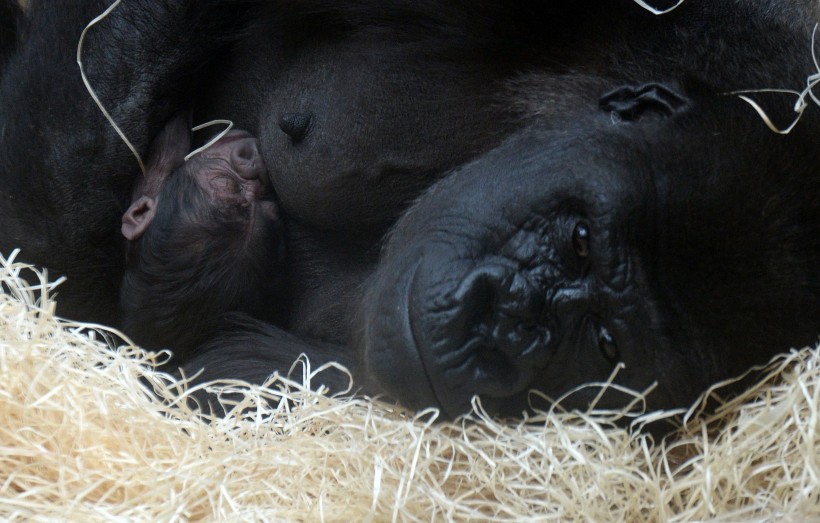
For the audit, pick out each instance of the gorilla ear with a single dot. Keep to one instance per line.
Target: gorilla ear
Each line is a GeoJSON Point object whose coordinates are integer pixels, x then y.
{"type": "Point", "coordinates": [631, 102]}
{"type": "Point", "coordinates": [138, 217]}
{"type": "Point", "coordinates": [167, 152]}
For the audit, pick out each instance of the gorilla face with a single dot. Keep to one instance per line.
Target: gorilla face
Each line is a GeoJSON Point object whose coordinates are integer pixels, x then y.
{"type": "Point", "coordinates": [552, 259]}
{"type": "Point", "coordinates": [508, 276]}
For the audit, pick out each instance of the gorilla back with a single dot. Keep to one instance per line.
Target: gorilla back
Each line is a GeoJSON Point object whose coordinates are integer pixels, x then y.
{"type": "Point", "coordinates": [576, 188]}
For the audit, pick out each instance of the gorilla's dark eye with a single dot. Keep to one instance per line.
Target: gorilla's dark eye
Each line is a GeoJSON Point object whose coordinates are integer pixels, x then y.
{"type": "Point", "coordinates": [606, 344]}
{"type": "Point", "coordinates": [580, 239]}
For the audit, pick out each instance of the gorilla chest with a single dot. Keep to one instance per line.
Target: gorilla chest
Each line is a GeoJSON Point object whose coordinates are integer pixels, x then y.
{"type": "Point", "coordinates": [352, 130]}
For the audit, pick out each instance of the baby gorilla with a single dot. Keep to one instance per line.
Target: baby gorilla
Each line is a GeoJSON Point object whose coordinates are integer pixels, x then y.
{"type": "Point", "coordinates": [204, 238]}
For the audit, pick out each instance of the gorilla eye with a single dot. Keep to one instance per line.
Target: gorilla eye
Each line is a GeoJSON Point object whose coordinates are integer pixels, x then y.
{"type": "Point", "coordinates": [606, 344]}
{"type": "Point", "coordinates": [580, 239]}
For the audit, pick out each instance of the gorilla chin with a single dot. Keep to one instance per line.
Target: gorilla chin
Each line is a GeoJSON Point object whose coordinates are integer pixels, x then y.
{"type": "Point", "coordinates": [550, 273]}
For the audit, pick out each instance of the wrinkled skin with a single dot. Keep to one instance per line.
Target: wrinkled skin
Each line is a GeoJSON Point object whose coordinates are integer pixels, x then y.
{"type": "Point", "coordinates": [231, 170]}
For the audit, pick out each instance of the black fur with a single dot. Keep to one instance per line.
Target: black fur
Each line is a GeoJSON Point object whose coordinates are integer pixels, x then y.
{"type": "Point", "coordinates": [466, 215]}
{"type": "Point", "coordinates": [702, 258]}
{"type": "Point", "coordinates": [10, 14]}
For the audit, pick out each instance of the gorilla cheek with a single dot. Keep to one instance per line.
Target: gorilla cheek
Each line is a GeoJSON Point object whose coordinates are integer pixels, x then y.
{"type": "Point", "coordinates": [390, 350]}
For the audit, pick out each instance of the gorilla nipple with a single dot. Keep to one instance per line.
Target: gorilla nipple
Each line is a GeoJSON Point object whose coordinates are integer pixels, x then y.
{"type": "Point", "coordinates": [296, 125]}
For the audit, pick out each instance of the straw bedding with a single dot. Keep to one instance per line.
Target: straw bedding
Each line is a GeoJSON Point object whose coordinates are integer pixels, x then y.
{"type": "Point", "coordinates": [91, 433]}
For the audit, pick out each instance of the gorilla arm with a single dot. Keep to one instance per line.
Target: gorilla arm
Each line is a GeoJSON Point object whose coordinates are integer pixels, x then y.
{"type": "Point", "coordinates": [252, 350]}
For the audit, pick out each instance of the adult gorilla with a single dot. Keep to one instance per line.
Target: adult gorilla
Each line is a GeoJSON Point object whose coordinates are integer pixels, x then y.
{"type": "Point", "coordinates": [566, 185]}
{"type": "Point", "coordinates": [597, 194]}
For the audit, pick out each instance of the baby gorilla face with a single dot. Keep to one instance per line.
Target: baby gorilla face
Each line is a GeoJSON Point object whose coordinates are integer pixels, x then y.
{"type": "Point", "coordinates": [232, 173]}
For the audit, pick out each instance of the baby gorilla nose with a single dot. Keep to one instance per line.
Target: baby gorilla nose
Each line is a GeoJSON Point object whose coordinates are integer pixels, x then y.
{"type": "Point", "coordinates": [232, 170]}
{"type": "Point", "coordinates": [240, 149]}
{"type": "Point", "coordinates": [246, 159]}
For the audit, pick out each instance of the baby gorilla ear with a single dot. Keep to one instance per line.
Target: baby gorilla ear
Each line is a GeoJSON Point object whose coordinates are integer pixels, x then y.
{"type": "Point", "coordinates": [138, 217]}
{"type": "Point", "coordinates": [167, 152]}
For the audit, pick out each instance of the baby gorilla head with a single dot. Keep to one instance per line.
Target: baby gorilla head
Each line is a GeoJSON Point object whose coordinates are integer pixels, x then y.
{"type": "Point", "coordinates": [204, 238]}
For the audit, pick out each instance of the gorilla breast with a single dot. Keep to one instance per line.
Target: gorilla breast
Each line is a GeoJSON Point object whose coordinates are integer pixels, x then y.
{"type": "Point", "coordinates": [355, 125]}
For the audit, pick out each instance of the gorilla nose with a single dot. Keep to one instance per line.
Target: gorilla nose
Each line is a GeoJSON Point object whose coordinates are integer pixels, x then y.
{"type": "Point", "coordinates": [505, 344]}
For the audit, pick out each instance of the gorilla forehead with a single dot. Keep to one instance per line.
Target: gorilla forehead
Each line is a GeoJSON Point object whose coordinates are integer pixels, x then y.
{"type": "Point", "coordinates": [542, 172]}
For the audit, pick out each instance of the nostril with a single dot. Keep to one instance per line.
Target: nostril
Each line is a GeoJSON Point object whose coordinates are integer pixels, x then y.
{"type": "Point", "coordinates": [503, 288]}
{"type": "Point", "coordinates": [245, 150]}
